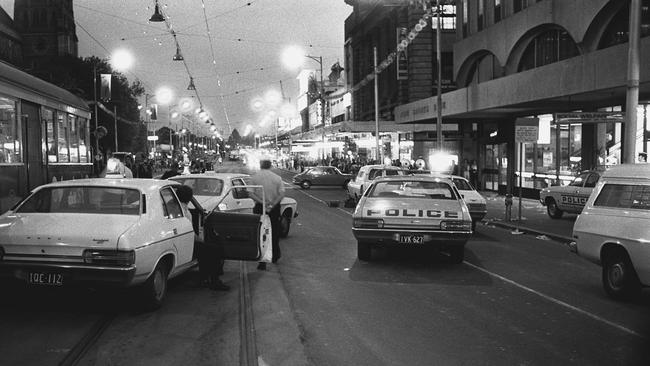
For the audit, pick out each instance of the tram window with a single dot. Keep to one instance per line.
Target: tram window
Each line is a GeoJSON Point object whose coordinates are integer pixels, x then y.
{"type": "Point", "coordinates": [62, 137]}
{"type": "Point", "coordinates": [48, 119]}
{"type": "Point", "coordinates": [9, 132]}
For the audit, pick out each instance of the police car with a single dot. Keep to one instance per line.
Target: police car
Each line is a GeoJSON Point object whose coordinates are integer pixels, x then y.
{"type": "Point", "coordinates": [412, 211]}
{"type": "Point", "coordinates": [570, 198]}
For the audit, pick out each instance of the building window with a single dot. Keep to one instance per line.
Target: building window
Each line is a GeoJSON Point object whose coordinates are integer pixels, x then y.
{"type": "Point", "coordinates": [481, 14]}
{"type": "Point", "coordinates": [497, 10]}
{"type": "Point", "coordinates": [485, 69]}
{"type": "Point", "coordinates": [10, 132]}
{"type": "Point", "coordinates": [549, 47]}
{"type": "Point", "coordinates": [617, 31]}
{"type": "Point", "coordinates": [518, 5]}
{"type": "Point", "coordinates": [465, 19]}
{"type": "Point", "coordinates": [448, 19]}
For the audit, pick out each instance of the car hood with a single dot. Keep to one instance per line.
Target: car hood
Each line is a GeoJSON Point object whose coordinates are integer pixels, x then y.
{"type": "Point", "coordinates": [62, 233]}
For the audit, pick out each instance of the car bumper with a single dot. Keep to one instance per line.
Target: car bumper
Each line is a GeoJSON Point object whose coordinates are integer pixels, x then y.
{"type": "Point", "coordinates": [391, 236]}
{"type": "Point", "coordinates": [71, 273]}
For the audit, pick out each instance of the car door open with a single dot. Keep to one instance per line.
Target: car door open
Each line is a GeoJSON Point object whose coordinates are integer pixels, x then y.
{"type": "Point", "coordinates": [243, 236]}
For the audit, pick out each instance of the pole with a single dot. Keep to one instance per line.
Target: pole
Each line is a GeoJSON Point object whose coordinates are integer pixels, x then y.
{"type": "Point", "coordinates": [439, 86]}
{"type": "Point", "coordinates": [277, 151]}
{"type": "Point", "coordinates": [632, 95]}
{"type": "Point", "coordinates": [521, 176]}
{"type": "Point", "coordinates": [322, 103]}
{"type": "Point", "coordinates": [96, 122]}
{"type": "Point", "coordinates": [115, 120]}
{"type": "Point", "coordinates": [374, 50]}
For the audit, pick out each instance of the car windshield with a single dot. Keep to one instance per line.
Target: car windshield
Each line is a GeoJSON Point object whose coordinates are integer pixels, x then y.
{"type": "Point", "coordinates": [83, 199]}
{"type": "Point", "coordinates": [413, 189]}
{"type": "Point", "coordinates": [462, 184]}
{"type": "Point", "coordinates": [203, 186]}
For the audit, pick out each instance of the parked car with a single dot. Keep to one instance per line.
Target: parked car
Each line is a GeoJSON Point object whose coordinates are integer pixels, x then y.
{"type": "Point", "coordinates": [614, 227]}
{"type": "Point", "coordinates": [476, 203]}
{"type": "Point", "coordinates": [407, 211]}
{"type": "Point", "coordinates": [322, 176]}
{"type": "Point", "coordinates": [210, 188]}
{"type": "Point", "coordinates": [570, 198]}
{"type": "Point", "coordinates": [367, 174]}
{"type": "Point", "coordinates": [111, 232]}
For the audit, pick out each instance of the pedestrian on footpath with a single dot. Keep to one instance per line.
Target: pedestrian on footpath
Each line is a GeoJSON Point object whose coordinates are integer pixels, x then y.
{"type": "Point", "coordinates": [210, 255]}
{"type": "Point", "coordinates": [273, 193]}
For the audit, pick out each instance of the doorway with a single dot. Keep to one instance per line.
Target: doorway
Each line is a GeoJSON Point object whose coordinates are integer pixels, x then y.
{"type": "Point", "coordinates": [494, 172]}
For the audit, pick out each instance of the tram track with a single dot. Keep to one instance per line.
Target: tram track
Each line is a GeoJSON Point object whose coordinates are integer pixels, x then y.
{"type": "Point", "coordinates": [88, 340]}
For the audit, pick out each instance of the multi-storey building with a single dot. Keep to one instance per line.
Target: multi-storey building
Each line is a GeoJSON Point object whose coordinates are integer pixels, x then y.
{"type": "Point", "coordinates": [527, 58]}
{"type": "Point", "coordinates": [48, 31]}
{"type": "Point", "coordinates": [11, 42]}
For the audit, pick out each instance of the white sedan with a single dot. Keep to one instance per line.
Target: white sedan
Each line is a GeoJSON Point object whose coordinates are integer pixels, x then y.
{"type": "Point", "coordinates": [213, 191]}
{"type": "Point", "coordinates": [366, 175]}
{"type": "Point", "coordinates": [412, 211]}
{"type": "Point", "coordinates": [115, 232]}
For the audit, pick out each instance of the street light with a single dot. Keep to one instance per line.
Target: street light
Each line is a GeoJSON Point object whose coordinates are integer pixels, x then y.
{"type": "Point", "coordinates": [292, 57]}
{"type": "Point", "coordinates": [121, 60]}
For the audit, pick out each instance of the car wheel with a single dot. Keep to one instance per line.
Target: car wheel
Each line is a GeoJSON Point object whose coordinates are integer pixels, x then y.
{"type": "Point", "coordinates": [155, 288]}
{"type": "Point", "coordinates": [364, 251]}
{"type": "Point", "coordinates": [619, 278]}
{"type": "Point", "coordinates": [474, 225]}
{"type": "Point", "coordinates": [456, 254]}
{"type": "Point", "coordinates": [285, 223]}
{"type": "Point", "coordinates": [553, 211]}
{"type": "Point", "coordinates": [305, 184]}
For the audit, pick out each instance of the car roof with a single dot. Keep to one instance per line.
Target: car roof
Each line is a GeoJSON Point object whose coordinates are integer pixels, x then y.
{"type": "Point", "coordinates": [632, 171]}
{"type": "Point", "coordinates": [211, 175]}
{"type": "Point", "coordinates": [419, 178]}
{"type": "Point", "coordinates": [142, 184]}
{"type": "Point", "coordinates": [377, 166]}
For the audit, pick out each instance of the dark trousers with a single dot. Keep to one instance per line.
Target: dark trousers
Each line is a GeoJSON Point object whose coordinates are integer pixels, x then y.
{"type": "Point", "coordinates": [274, 215]}
{"type": "Point", "coordinates": [210, 258]}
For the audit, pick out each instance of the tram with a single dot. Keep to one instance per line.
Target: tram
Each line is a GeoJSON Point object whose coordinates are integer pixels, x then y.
{"type": "Point", "coordinates": [44, 135]}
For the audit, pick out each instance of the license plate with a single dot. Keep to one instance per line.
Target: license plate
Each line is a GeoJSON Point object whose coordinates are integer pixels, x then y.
{"type": "Point", "coordinates": [411, 239]}
{"type": "Point", "coordinates": [50, 279]}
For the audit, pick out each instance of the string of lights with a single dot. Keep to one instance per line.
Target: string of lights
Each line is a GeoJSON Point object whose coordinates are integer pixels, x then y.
{"type": "Point", "coordinates": [214, 64]}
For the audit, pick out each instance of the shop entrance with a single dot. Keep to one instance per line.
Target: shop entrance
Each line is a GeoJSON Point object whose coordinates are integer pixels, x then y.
{"type": "Point", "coordinates": [495, 167]}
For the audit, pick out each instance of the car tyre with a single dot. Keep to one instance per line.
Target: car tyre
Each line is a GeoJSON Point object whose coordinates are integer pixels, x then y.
{"type": "Point", "coordinates": [456, 254]}
{"type": "Point", "coordinates": [619, 277]}
{"type": "Point", "coordinates": [474, 225]}
{"type": "Point", "coordinates": [155, 289]}
{"type": "Point", "coordinates": [305, 184]}
{"type": "Point", "coordinates": [553, 211]}
{"type": "Point", "coordinates": [285, 224]}
{"type": "Point", "coordinates": [364, 251]}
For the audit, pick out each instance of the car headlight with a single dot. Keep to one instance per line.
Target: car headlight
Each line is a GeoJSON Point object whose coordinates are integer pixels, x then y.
{"type": "Point", "coordinates": [456, 225]}
{"type": "Point", "coordinates": [109, 257]}
{"type": "Point", "coordinates": [368, 223]}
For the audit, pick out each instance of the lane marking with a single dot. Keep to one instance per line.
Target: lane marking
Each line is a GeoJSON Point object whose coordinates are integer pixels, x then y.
{"type": "Point", "coordinates": [558, 302]}
{"type": "Point", "coordinates": [528, 289]}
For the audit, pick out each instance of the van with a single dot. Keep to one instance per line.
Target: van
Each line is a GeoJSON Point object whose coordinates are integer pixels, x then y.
{"type": "Point", "coordinates": [613, 229]}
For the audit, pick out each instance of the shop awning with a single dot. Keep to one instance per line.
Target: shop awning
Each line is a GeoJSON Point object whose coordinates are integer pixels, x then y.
{"type": "Point", "coordinates": [362, 126]}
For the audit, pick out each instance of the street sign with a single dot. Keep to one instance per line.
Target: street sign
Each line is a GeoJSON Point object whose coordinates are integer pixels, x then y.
{"type": "Point", "coordinates": [588, 117]}
{"type": "Point", "coordinates": [526, 130]}
{"type": "Point", "coordinates": [152, 138]}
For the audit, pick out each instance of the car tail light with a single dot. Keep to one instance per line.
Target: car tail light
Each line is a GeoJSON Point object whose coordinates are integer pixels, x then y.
{"type": "Point", "coordinates": [109, 257]}
{"type": "Point", "coordinates": [456, 225]}
{"type": "Point", "coordinates": [368, 223]}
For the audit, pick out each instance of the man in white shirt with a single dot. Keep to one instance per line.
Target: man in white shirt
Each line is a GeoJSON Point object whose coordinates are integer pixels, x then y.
{"type": "Point", "coordinates": [273, 194]}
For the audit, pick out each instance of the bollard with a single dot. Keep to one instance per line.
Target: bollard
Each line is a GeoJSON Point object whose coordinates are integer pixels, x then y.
{"type": "Point", "coordinates": [508, 202]}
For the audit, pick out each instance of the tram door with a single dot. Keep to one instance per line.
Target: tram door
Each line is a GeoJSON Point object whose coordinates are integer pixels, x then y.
{"type": "Point", "coordinates": [33, 140]}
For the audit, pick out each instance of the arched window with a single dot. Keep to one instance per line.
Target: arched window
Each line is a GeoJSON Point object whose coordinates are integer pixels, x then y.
{"type": "Point", "coordinates": [484, 69]}
{"type": "Point", "coordinates": [551, 46]}
{"type": "Point", "coordinates": [617, 30]}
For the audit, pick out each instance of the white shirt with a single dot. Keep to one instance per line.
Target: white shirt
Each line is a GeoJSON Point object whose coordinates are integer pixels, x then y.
{"type": "Point", "coordinates": [272, 185]}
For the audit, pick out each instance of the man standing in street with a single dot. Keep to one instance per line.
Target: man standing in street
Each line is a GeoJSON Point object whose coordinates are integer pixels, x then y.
{"type": "Point", "coordinates": [273, 194]}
